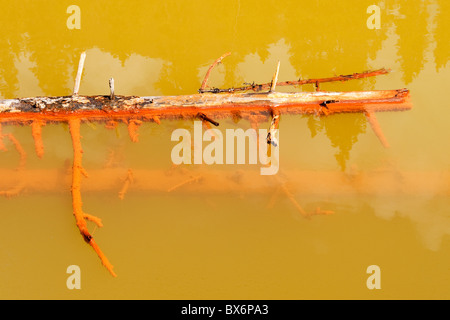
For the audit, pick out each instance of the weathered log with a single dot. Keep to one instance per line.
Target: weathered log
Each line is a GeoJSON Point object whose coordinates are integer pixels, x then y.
{"type": "Point", "coordinates": [102, 108]}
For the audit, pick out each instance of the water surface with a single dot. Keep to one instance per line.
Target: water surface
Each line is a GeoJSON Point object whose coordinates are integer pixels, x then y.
{"type": "Point", "coordinates": [242, 244]}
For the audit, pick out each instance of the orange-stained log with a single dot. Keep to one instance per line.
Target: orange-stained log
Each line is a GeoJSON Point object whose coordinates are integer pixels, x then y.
{"type": "Point", "coordinates": [214, 106]}
{"type": "Point", "coordinates": [80, 216]}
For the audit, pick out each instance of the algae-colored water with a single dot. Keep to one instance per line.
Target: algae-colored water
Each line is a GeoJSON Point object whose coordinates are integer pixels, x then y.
{"type": "Point", "coordinates": [232, 245]}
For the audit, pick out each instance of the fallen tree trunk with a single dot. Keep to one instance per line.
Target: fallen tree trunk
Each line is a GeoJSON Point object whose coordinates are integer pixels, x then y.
{"type": "Point", "coordinates": [98, 108]}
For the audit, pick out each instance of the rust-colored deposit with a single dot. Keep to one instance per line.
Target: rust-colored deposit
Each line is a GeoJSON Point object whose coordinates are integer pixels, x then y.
{"type": "Point", "coordinates": [255, 103]}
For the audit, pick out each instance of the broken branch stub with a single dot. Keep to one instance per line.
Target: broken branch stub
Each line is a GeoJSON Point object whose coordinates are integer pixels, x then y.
{"type": "Point", "coordinates": [205, 80]}
{"type": "Point", "coordinates": [76, 87]}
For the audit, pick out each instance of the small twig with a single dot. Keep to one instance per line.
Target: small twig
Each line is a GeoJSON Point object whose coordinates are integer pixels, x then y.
{"type": "Point", "coordinates": [193, 179]}
{"type": "Point", "coordinates": [275, 78]}
{"type": "Point", "coordinates": [111, 88]}
{"type": "Point", "coordinates": [204, 117]}
{"type": "Point", "coordinates": [317, 86]}
{"type": "Point", "coordinates": [291, 197]}
{"type": "Point", "coordinates": [96, 220]}
{"type": "Point", "coordinates": [299, 208]}
{"type": "Point", "coordinates": [76, 88]}
{"type": "Point", "coordinates": [128, 180]}
{"type": "Point", "coordinates": [205, 80]}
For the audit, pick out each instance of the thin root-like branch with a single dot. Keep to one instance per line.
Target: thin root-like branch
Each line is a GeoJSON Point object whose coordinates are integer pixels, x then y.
{"type": "Point", "coordinates": [20, 150]}
{"type": "Point", "coordinates": [291, 197]}
{"type": "Point", "coordinates": [94, 219]}
{"type": "Point", "coordinates": [275, 78]}
{"type": "Point", "coordinates": [128, 180]}
{"type": "Point", "coordinates": [36, 131]}
{"type": "Point", "coordinates": [376, 128]}
{"type": "Point", "coordinates": [80, 216]}
{"type": "Point", "coordinates": [299, 208]}
{"type": "Point", "coordinates": [192, 179]}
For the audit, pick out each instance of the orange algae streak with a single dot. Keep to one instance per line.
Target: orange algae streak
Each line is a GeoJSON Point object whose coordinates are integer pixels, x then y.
{"type": "Point", "coordinates": [77, 172]}
{"type": "Point", "coordinates": [36, 131]}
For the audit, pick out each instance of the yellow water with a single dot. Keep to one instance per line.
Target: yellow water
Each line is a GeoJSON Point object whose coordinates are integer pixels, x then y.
{"type": "Point", "coordinates": [232, 246]}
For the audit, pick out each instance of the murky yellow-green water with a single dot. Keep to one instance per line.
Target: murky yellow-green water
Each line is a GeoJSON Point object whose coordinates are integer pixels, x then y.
{"type": "Point", "coordinates": [233, 245]}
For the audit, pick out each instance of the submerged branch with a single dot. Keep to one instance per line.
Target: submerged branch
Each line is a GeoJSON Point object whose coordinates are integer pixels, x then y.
{"type": "Point", "coordinates": [80, 216]}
